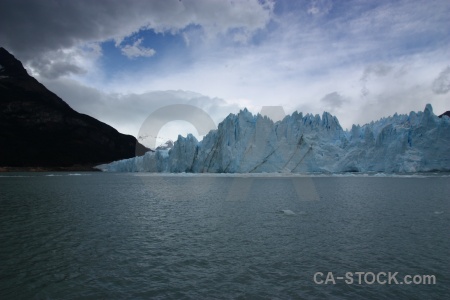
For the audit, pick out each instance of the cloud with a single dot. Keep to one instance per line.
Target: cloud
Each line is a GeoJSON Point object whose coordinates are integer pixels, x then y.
{"type": "Point", "coordinates": [64, 62]}
{"type": "Point", "coordinates": [54, 64]}
{"type": "Point", "coordinates": [136, 50]}
{"type": "Point", "coordinates": [378, 70]}
{"type": "Point", "coordinates": [319, 7]}
{"type": "Point", "coordinates": [56, 69]}
{"type": "Point", "coordinates": [248, 53]}
{"type": "Point", "coordinates": [32, 29]}
{"type": "Point", "coordinates": [127, 112]}
{"type": "Point", "coordinates": [333, 100]}
{"type": "Point", "coordinates": [441, 85]}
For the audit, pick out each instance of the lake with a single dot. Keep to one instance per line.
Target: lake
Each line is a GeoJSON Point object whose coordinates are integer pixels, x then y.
{"type": "Point", "coordinates": [166, 236]}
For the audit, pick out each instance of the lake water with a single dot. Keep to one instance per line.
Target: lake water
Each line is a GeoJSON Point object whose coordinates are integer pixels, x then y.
{"type": "Point", "coordinates": [141, 236]}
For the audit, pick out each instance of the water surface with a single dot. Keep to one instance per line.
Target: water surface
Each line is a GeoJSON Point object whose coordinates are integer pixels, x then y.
{"type": "Point", "coordinates": [103, 235]}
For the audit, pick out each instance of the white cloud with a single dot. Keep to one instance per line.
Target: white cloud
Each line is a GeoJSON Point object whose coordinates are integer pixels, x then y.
{"type": "Point", "coordinates": [257, 79]}
{"type": "Point", "coordinates": [319, 7]}
{"type": "Point", "coordinates": [391, 50]}
{"type": "Point", "coordinates": [127, 111]}
{"type": "Point", "coordinates": [378, 70]}
{"type": "Point", "coordinates": [66, 62]}
{"type": "Point", "coordinates": [137, 50]}
{"type": "Point", "coordinates": [441, 85]}
{"type": "Point", "coordinates": [186, 39]}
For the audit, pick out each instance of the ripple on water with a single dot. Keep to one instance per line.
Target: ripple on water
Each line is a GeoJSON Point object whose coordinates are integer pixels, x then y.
{"type": "Point", "coordinates": [125, 236]}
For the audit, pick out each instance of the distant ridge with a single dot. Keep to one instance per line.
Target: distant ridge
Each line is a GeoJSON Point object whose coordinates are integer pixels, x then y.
{"type": "Point", "coordinates": [38, 129]}
{"type": "Point", "coordinates": [447, 113]}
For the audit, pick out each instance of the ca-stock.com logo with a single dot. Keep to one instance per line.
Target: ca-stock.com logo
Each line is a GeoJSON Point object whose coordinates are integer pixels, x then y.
{"type": "Point", "coordinates": [149, 130]}
{"type": "Point", "coordinates": [203, 123]}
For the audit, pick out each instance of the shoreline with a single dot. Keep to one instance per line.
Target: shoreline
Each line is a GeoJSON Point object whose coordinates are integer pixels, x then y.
{"type": "Point", "coordinates": [80, 168]}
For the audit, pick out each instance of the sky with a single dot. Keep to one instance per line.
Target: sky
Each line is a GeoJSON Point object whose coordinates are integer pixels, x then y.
{"type": "Point", "coordinates": [121, 60]}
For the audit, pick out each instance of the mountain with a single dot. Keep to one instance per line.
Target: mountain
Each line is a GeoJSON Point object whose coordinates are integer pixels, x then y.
{"type": "Point", "coordinates": [447, 113]}
{"type": "Point", "coordinates": [245, 143]}
{"type": "Point", "coordinates": [38, 129]}
{"type": "Point", "coordinates": [166, 146]}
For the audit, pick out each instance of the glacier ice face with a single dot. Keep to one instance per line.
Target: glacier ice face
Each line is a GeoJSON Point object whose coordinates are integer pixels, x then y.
{"type": "Point", "coordinates": [245, 143]}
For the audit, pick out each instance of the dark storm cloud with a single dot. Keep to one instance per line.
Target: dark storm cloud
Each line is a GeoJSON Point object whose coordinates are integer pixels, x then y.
{"type": "Point", "coordinates": [36, 31]}
{"type": "Point", "coordinates": [32, 29]}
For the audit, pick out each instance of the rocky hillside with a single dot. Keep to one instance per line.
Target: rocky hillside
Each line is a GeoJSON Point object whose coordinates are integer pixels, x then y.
{"type": "Point", "coordinates": [38, 129]}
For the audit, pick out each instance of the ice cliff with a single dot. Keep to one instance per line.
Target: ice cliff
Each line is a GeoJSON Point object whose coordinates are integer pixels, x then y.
{"type": "Point", "coordinates": [245, 143]}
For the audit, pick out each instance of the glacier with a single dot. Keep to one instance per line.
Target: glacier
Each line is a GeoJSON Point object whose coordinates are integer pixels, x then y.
{"type": "Point", "coordinates": [247, 143]}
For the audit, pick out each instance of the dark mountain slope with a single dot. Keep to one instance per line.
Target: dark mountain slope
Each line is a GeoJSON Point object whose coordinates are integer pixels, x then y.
{"type": "Point", "coordinates": [447, 113]}
{"type": "Point", "coordinates": [38, 129]}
